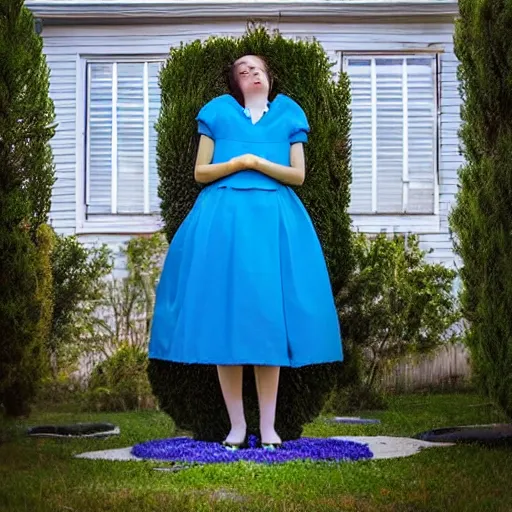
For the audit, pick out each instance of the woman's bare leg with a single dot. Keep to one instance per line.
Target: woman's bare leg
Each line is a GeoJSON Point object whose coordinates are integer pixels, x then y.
{"type": "Point", "coordinates": [267, 383]}
{"type": "Point", "coordinates": [230, 378]}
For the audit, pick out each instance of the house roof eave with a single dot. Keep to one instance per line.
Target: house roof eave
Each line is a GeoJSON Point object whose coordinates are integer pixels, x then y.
{"type": "Point", "coordinates": [181, 11]}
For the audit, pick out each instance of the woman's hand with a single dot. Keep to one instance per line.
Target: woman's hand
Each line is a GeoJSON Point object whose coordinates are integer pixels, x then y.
{"type": "Point", "coordinates": [293, 174]}
{"type": "Point", "coordinates": [244, 162]}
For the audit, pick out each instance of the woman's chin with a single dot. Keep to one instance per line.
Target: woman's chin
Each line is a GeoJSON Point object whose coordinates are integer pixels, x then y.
{"type": "Point", "coordinates": [257, 89]}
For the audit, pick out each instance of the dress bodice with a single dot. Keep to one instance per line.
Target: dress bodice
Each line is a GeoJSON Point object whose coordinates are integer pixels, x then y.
{"type": "Point", "coordinates": [224, 120]}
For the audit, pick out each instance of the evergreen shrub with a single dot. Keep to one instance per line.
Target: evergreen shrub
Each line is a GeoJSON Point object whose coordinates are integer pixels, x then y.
{"type": "Point", "coordinates": [482, 218]}
{"type": "Point", "coordinates": [78, 285]}
{"type": "Point", "coordinates": [120, 383]}
{"type": "Point", "coordinates": [193, 75]}
{"type": "Point", "coordinates": [26, 179]}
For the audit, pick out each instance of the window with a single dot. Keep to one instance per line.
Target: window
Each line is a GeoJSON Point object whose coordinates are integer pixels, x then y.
{"type": "Point", "coordinates": [394, 134]}
{"type": "Point", "coordinates": [123, 103]}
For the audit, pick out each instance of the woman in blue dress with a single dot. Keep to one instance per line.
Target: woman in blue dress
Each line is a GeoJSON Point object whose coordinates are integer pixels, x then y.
{"type": "Point", "coordinates": [245, 280]}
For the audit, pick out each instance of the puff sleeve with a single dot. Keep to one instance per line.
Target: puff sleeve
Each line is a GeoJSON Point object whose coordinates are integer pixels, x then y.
{"type": "Point", "coordinates": [299, 124]}
{"type": "Point", "coordinates": [206, 120]}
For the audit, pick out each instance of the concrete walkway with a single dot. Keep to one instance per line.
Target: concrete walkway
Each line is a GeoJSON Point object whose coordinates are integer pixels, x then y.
{"type": "Point", "coordinates": [382, 447]}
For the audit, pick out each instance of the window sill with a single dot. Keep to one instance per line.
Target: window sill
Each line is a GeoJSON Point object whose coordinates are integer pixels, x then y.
{"type": "Point", "coordinates": [398, 223]}
{"type": "Point", "coordinates": [119, 225]}
{"type": "Point", "coordinates": [366, 223]}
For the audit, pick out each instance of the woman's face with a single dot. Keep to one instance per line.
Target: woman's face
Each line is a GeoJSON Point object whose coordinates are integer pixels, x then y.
{"type": "Point", "coordinates": [251, 75]}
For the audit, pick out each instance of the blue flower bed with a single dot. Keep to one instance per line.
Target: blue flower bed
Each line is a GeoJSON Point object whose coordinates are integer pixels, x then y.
{"type": "Point", "coordinates": [184, 449]}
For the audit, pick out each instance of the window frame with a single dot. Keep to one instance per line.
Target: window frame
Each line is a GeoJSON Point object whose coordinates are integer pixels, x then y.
{"type": "Point", "coordinates": [376, 222]}
{"type": "Point", "coordinates": [111, 223]}
{"type": "Point", "coordinates": [149, 223]}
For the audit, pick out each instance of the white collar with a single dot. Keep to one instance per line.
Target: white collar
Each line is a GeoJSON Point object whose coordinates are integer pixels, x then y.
{"type": "Point", "coordinates": [247, 110]}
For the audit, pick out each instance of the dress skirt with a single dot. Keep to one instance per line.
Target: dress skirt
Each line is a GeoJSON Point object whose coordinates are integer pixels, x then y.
{"type": "Point", "coordinates": [245, 283]}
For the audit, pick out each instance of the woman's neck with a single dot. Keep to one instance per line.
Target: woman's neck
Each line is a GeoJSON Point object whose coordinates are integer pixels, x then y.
{"type": "Point", "coordinates": [256, 102]}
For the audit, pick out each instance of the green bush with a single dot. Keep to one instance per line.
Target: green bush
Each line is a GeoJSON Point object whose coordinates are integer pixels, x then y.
{"type": "Point", "coordinates": [58, 392]}
{"type": "Point", "coordinates": [26, 179]}
{"type": "Point", "coordinates": [395, 304]}
{"type": "Point", "coordinates": [45, 246]}
{"type": "Point", "coordinates": [124, 314]}
{"type": "Point", "coordinates": [482, 218]}
{"type": "Point", "coordinates": [120, 383]}
{"type": "Point", "coordinates": [78, 284]}
{"type": "Point", "coordinates": [355, 398]}
{"type": "Point", "coordinates": [193, 75]}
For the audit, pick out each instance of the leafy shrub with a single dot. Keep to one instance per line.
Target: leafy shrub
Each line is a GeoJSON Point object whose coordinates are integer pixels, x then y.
{"type": "Point", "coordinates": [78, 284]}
{"type": "Point", "coordinates": [26, 179]}
{"type": "Point", "coordinates": [123, 316]}
{"type": "Point", "coordinates": [60, 392]}
{"type": "Point", "coordinates": [94, 315]}
{"type": "Point", "coordinates": [193, 75]}
{"type": "Point", "coordinates": [482, 217]}
{"type": "Point", "coordinates": [355, 398]}
{"type": "Point", "coordinates": [395, 304]}
{"type": "Point", "coordinates": [120, 383]}
{"type": "Point", "coordinates": [45, 246]}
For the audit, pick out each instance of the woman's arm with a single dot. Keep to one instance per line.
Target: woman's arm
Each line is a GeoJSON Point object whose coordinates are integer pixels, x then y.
{"type": "Point", "coordinates": [289, 175]}
{"type": "Point", "coordinates": [205, 171]}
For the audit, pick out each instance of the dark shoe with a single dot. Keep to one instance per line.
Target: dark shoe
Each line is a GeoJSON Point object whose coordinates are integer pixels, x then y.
{"type": "Point", "coordinates": [235, 446]}
{"type": "Point", "coordinates": [271, 447]}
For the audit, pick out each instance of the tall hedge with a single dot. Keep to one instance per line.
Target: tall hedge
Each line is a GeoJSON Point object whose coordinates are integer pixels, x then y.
{"type": "Point", "coordinates": [193, 75]}
{"type": "Point", "coordinates": [482, 218]}
{"type": "Point", "coordinates": [26, 179]}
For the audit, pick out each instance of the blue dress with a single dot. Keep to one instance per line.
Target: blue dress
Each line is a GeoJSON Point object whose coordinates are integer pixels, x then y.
{"type": "Point", "coordinates": [245, 280]}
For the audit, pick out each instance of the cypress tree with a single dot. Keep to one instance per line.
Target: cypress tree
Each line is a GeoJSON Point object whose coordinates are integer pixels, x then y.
{"type": "Point", "coordinates": [26, 179]}
{"type": "Point", "coordinates": [482, 218]}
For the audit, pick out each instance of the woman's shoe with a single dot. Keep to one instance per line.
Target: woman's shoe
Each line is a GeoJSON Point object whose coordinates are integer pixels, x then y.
{"type": "Point", "coordinates": [271, 447]}
{"type": "Point", "coordinates": [235, 446]}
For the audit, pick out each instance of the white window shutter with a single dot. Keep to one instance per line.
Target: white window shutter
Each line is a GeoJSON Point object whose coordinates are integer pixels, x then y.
{"type": "Point", "coordinates": [130, 137]}
{"type": "Point", "coordinates": [121, 166]}
{"type": "Point", "coordinates": [393, 134]}
{"type": "Point", "coordinates": [422, 132]}
{"type": "Point", "coordinates": [361, 135]}
{"type": "Point", "coordinates": [99, 139]}
{"type": "Point", "coordinates": [154, 110]}
{"type": "Point", "coordinates": [390, 133]}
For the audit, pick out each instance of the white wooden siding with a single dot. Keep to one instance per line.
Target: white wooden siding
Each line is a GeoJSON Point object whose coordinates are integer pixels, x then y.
{"type": "Point", "coordinates": [62, 90]}
{"type": "Point", "coordinates": [64, 46]}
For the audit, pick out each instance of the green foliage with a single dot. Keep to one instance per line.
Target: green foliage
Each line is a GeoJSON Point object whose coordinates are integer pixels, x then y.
{"type": "Point", "coordinates": [44, 475]}
{"type": "Point", "coordinates": [45, 246]}
{"type": "Point", "coordinates": [124, 314]}
{"type": "Point", "coordinates": [192, 397]}
{"type": "Point", "coordinates": [26, 178]}
{"type": "Point", "coordinates": [197, 72]}
{"type": "Point", "coordinates": [78, 279]}
{"type": "Point", "coordinates": [120, 383]}
{"type": "Point", "coordinates": [395, 304]}
{"type": "Point", "coordinates": [28, 305]}
{"type": "Point", "coordinates": [482, 218]}
{"type": "Point", "coordinates": [193, 75]}
{"type": "Point", "coordinates": [60, 391]}
{"type": "Point", "coordinates": [144, 256]}
{"type": "Point", "coordinates": [355, 398]}
{"type": "Point", "coordinates": [26, 116]}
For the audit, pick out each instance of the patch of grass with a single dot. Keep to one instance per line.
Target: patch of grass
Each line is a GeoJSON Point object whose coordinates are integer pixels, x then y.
{"type": "Point", "coordinates": [42, 475]}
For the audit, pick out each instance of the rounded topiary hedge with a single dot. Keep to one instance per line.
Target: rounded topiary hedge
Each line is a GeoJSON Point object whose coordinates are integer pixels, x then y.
{"type": "Point", "coordinates": [193, 75]}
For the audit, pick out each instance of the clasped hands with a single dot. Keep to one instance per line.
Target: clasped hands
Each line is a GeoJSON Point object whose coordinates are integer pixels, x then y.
{"type": "Point", "coordinates": [244, 162]}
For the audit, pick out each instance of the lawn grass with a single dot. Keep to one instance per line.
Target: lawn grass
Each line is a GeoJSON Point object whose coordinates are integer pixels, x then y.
{"type": "Point", "coordinates": [42, 475]}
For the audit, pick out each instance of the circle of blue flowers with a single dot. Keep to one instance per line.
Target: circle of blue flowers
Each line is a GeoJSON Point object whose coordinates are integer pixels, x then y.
{"type": "Point", "coordinates": [186, 450]}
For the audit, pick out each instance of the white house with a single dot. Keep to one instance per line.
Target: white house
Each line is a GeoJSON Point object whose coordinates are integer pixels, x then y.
{"type": "Point", "coordinates": [105, 55]}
